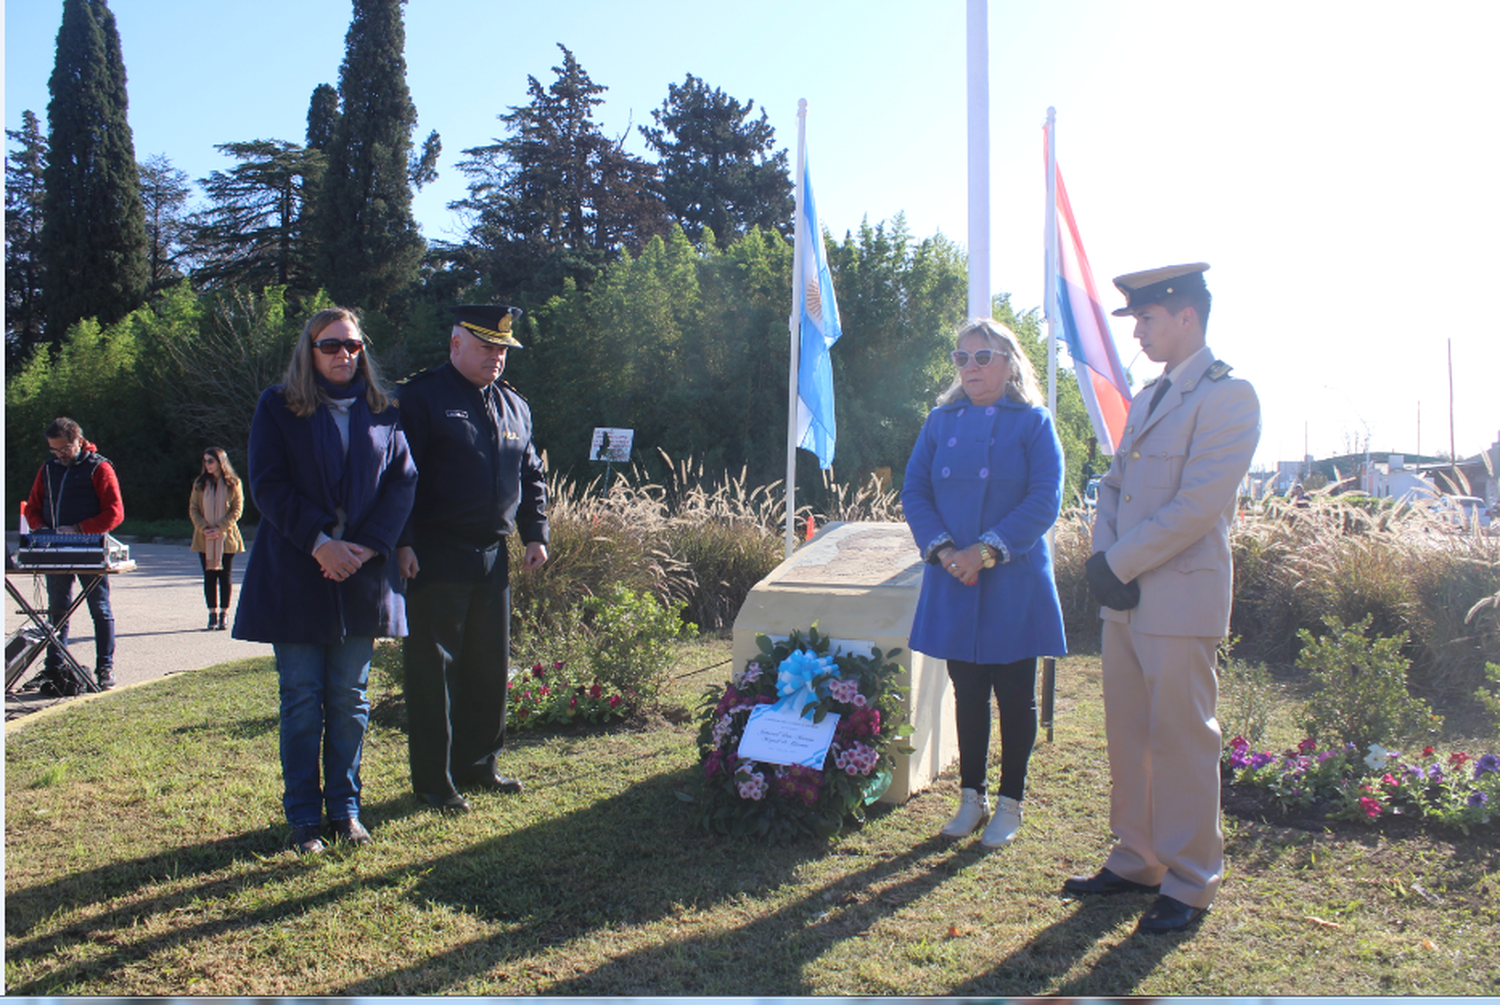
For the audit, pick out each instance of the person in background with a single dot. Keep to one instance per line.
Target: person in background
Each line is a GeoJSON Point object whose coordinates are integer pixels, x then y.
{"type": "Point", "coordinates": [215, 507]}
{"type": "Point", "coordinates": [983, 485]}
{"type": "Point", "coordinates": [1162, 571]}
{"type": "Point", "coordinates": [481, 480]}
{"type": "Point", "coordinates": [76, 492]}
{"type": "Point", "coordinates": [333, 479]}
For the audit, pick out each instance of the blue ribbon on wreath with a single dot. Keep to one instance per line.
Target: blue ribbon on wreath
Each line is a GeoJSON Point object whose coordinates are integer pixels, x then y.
{"type": "Point", "coordinates": [795, 676]}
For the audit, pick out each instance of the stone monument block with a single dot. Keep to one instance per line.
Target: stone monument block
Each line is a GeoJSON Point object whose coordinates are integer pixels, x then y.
{"type": "Point", "coordinates": [858, 582]}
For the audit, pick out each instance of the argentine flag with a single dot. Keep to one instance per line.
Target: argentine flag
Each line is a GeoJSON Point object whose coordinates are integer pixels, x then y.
{"type": "Point", "coordinates": [819, 329]}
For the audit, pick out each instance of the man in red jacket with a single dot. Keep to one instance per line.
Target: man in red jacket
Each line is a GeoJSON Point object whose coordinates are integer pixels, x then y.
{"type": "Point", "coordinates": [76, 492]}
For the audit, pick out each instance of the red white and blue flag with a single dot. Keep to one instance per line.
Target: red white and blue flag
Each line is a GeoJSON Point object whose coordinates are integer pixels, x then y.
{"type": "Point", "coordinates": [1096, 362]}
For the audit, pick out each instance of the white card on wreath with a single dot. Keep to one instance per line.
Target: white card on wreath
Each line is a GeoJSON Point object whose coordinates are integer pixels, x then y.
{"type": "Point", "coordinates": [784, 737]}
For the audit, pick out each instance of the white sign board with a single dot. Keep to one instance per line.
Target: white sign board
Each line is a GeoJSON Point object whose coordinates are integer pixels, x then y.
{"type": "Point", "coordinates": [611, 445]}
{"type": "Point", "coordinates": [778, 737]}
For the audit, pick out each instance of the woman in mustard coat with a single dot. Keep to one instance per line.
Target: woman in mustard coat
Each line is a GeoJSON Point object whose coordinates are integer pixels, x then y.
{"type": "Point", "coordinates": [215, 507]}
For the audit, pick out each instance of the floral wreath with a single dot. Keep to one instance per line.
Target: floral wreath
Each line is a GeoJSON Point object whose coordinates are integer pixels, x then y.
{"type": "Point", "coordinates": [781, 802]}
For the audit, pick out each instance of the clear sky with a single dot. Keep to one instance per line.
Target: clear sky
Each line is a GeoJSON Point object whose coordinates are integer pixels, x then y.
{"type": "Point", "coordinates": [1334, 161]}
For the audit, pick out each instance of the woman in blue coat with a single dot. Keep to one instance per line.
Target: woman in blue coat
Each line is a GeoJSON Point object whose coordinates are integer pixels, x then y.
{"type": "Point", "coordinates": [983, 486]}
{"type": "Point", "coordinates": [334, 482]}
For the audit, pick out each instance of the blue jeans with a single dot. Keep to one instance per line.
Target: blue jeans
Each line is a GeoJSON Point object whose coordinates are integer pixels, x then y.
{"type": "Point", "coordinates": [323, 702]}
{"type": "Point", "coordinates": [59, 596]}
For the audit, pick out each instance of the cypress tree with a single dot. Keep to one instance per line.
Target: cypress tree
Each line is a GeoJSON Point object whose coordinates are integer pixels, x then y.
{"type": "Point", "coordinates": [93, 242]}
{"type": "Point", "coordinates": [322, 117]}
{"type": "Point", "coordinates": [368, 244]}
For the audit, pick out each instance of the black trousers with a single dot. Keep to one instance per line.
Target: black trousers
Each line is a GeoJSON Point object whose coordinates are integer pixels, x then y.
{"type": "Point", "coordinates": [1014, 687]}
{"type": "Point", "coordinates": [216, 582]}
{"type": "Point", "coordinates": [456, 657]}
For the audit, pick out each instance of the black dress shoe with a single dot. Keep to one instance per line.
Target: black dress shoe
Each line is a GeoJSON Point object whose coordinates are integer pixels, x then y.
{"type": "Point", "coordinates": [351, 831]}
{"type": "Point", "coordinates": [306, 840]}
{"type": "Point", "coordinates": [497, 783]}
{"type": "Point", "coordinates": [1104, 883]}
{"type": "Point", "coordinates": [1169, 914]}
{"type": "Point", "coordinates": [454, 803]}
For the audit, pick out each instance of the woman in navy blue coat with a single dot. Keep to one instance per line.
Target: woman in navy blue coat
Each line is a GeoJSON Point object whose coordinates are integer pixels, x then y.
{"type": "Point", "coordinates": [334, 482]}
{"type": "Point", "coordinates": [983, 486]}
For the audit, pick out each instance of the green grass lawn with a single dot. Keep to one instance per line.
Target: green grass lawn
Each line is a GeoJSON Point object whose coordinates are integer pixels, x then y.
{"type": "Point", "coordinates": [143, 857]}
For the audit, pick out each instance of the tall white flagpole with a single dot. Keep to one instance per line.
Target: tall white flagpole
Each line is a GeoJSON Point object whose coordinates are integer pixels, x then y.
{"type": "Point", "coordinates": [794, 323]}
{"type": "Point", "coordinates": [1049, 312]}
{"type": "Point", "coordinates": [978, 33]}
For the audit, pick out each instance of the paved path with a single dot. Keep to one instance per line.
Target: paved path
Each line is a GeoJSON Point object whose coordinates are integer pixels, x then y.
{"type": "Point", "coordinates": [159, 619]}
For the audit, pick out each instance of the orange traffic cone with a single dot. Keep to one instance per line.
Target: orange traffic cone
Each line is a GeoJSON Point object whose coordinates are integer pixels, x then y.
{"type": "Point", "coordinates": [809, 527]}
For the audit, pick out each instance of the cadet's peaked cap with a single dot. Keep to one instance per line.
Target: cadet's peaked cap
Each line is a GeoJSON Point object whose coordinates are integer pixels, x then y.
{"type": "Point", "coordinates": [488, 323]}
{"type": "Point", "coordinates": [1155, 285]}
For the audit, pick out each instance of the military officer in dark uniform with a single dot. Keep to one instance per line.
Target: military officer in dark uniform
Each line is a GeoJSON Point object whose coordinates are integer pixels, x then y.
{"type": "Point", "coordinates": [478, 479]}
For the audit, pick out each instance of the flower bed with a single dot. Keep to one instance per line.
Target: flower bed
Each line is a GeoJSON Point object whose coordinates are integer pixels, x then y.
{"type": "Point", "coordinates": [781, 802]}
{"type": "Point", "coordinates": [554, 696]}
{"type": "Point", "coordinates": [1459, 790]}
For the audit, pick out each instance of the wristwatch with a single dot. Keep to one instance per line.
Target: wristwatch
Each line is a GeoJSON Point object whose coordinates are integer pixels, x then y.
{"type": "Point", "coordinates": [986, 556]}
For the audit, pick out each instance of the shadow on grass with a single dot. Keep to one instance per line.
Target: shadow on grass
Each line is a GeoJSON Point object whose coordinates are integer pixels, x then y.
{"type": "Point", "coordinates": [1036, 967]}
{"type": "Point", "coordinates": [629, 859]}
{"type": "Point", "coordinates": [650, 878]}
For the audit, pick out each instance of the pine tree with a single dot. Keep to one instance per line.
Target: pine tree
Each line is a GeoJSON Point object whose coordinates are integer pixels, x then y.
{"type": "Point", "coordinates": [255, 231]}
{"type": "Point", "coordinates": [24, 168]}
{"type": "Point", "coordinates": [368, 243]}
{"type": "Point", "coordinates": [93, 241]}
{"type": "Point", "coordinates": [718, 165]}
{"type": "Point", "coordinates": [557, 198]}
{"type": "Point", "coordinates": [164, 193]}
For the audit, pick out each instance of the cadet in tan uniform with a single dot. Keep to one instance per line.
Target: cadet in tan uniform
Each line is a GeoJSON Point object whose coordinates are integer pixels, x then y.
{"type": "Point", "coordinates": [1162, 569]}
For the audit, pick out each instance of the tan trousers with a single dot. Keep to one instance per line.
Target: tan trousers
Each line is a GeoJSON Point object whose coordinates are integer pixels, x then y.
{"type": "Point", "coordinates": [1164, 743]}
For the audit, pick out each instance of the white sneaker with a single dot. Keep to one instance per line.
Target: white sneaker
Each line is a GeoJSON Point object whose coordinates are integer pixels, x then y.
{"type": "Point", "coordinates": [1004, 825]}
{"type": "Point", "coordinates": [973, 810]}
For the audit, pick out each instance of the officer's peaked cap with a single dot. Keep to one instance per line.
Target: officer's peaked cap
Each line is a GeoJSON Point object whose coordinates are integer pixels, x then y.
{"type": "Point", "coordinates": [488, 322]}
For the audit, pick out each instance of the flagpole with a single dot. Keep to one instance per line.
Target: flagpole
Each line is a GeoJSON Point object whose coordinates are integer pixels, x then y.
{"type": "Point", "coordinates": [1049, 312]}
{"type": "Point", "coordinates": [978, 31]}
{"type": "Point", "coordinates": [794, 324]}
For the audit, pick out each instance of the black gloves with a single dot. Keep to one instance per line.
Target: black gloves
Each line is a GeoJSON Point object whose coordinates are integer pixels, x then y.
{"type": "Point", "coordinates": [1106, 586]}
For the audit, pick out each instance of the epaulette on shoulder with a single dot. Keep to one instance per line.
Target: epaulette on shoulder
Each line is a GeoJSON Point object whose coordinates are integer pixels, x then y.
{"type": "Point", "coordinates": [418, 377]}
{"type": "Point", "coordinates": [1218, 371]}
{"type": "Point", "coordinates": [512, 389]}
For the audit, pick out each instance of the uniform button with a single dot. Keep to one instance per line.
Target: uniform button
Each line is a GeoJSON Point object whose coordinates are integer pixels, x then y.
{"type": "Point", "coordinates": [984, 472]}
{"type": "Point", "coordinates": [1129, 429]}
{"type": "Point", "coordinates": [1127, 499]}
{"type": "Point", "coordinates": [946, 472]}
{"type": "Point", "coordinates": [952, 441]}
{"type": "Point", "coordinates": [1135, 455]}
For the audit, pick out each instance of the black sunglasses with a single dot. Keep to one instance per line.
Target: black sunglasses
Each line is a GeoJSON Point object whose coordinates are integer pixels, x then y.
{"type": "Point", "coordinates": [331, 346]}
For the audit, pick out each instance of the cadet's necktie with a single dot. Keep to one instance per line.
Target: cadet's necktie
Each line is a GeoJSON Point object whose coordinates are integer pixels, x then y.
{"type": "Point", "coordinates": [1161, 390]}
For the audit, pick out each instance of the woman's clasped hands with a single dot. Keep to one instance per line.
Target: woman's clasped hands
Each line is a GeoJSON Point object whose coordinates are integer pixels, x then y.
{"type": "Point", "coordinates": [341, 559]}
{"type": "Point", "coordinates": [964, 565]}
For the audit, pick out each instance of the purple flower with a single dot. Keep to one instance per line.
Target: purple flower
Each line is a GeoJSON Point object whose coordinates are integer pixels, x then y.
{"type": "Point", "coordinates": [1487, 764]}
{"type": "Point", "coordinates": [1478, 799]}
{"type": "Point", "coordinates": [1261, 759]}
{"type": "Point", "coordinates": [1435, 773]}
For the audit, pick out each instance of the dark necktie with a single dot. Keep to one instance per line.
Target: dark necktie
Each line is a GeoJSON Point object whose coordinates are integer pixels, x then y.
{"type": "Point", "coordinates": [1161, 390]}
